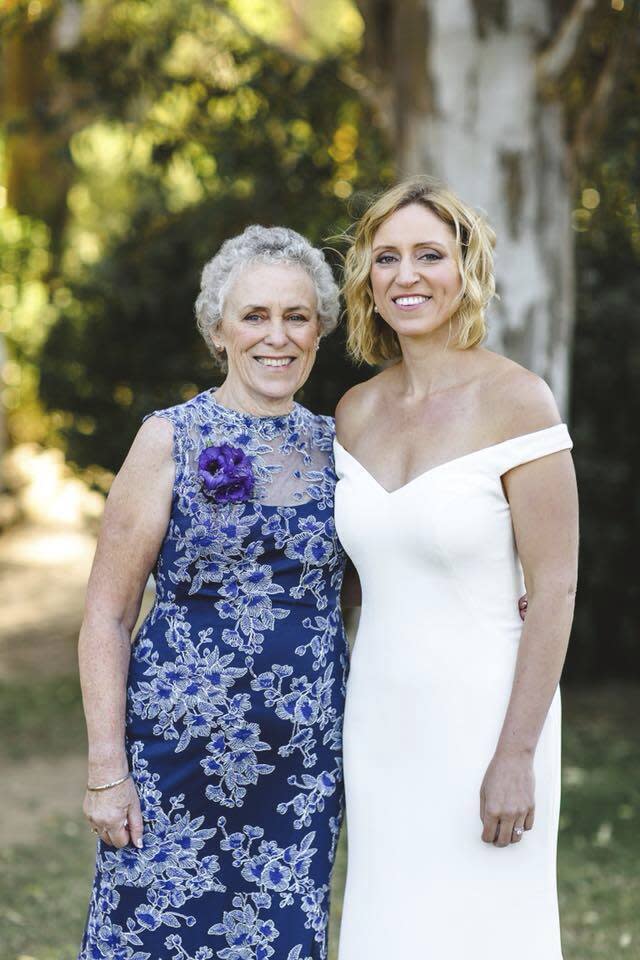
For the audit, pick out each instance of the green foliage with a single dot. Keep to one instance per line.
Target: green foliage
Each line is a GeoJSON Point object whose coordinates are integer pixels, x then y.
{"type": "Point", "coordinates": [232, 131]}
{"type": "Point", "coordinates": [26, 315]}
{"type": "Point", "coordinates": [605, 407]}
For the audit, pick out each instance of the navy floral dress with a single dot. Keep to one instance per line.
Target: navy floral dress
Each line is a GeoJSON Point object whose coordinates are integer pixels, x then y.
{"type": "Point", "coordinates": [235, 704]}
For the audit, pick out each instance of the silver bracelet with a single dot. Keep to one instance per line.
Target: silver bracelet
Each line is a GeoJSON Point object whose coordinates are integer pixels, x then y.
{"type": "Point", "coordinates": [107, 786]}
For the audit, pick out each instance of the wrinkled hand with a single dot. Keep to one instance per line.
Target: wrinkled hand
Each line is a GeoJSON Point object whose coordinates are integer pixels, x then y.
{"type": "Point", "coordinates": [115, 814]}
{"type": "Point", "coordinates": [523, 603]}
{"type": "Point", "coordinates": [507, 799]}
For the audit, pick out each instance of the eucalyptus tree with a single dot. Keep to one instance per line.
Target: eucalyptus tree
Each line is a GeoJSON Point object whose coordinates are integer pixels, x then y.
{"type": "Point", "coordinates": [505, 99]}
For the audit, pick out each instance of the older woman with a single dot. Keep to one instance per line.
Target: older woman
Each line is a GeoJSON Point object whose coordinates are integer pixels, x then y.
{"type": "Point", "coordinates": [214, 740]}
{"type": "Point", "coordinates": [454, 478]}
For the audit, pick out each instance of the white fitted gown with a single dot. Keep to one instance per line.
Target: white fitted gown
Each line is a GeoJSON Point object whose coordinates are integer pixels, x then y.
{"type": "Point", "coordinates": [431, 676]}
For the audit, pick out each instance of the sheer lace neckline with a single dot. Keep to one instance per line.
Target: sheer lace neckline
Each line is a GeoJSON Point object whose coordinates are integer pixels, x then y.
{"type": "Point", "coordinates": [279, 420]}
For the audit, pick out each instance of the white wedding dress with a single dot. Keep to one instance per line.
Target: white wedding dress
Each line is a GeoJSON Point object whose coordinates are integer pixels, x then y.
{"type": "Point", "coordinates": [430, 680]}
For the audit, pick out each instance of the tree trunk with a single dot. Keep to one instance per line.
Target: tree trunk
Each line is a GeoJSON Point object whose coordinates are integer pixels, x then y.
{"type": "Point", "coordinates": [462, 99]}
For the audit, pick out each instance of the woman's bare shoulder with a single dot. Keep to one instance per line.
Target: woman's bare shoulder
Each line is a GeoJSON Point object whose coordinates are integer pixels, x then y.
{"type": "Point", "coordinates": [358, 405]}
{"type": "Point", "coordinates": [150, 456]}
{"type": "Point", "coordinates": [517, 400]}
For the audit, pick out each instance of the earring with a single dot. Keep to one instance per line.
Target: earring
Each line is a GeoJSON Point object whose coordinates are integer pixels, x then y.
{"type": "Point", "coordinates": [318, 343]}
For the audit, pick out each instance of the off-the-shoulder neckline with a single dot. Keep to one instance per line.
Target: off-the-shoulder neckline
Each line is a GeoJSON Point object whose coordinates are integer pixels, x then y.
{"type": "Point", "coordinates": [447, 463]}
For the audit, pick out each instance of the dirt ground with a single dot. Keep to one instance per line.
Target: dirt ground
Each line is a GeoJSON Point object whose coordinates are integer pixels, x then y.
{"type": "Point", "coordinates": [43, 575]}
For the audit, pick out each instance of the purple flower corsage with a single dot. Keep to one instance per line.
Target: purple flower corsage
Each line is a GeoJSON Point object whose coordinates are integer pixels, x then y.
{"type": "Point", "coordinates": [226, 473]}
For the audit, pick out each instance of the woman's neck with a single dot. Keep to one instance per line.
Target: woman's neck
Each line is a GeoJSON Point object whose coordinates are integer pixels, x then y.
{"type": "Point", "coordinates": [237, 396]}
{"type": "Point", "coordinates": [433, 364]}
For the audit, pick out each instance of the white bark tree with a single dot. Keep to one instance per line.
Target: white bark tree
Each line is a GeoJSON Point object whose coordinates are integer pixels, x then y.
{"type": "Point", "coordinates": [472, 91]}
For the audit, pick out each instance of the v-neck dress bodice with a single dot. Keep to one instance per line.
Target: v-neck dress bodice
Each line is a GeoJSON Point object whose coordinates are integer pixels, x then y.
{"type": "Point", "coordinates": [431, 675]}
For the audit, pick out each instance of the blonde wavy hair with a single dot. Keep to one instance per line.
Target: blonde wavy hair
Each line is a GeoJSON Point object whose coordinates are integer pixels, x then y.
{"type": "Point", "coordinates": [369, 338]}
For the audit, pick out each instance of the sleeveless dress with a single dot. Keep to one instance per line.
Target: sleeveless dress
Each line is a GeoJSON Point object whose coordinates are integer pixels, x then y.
{"type": "Point", "coordinates": [430, 680]}
{"type": "Point", "coordinates": [234, 704]}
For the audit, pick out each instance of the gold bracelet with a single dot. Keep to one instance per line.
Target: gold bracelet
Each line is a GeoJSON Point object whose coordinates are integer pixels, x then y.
{"type": "Point", "coordinates": [107, 786]}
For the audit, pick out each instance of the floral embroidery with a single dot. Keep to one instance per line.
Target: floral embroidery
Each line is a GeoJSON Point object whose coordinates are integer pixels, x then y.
{"type": "Point", "coordinates": [235, 701]}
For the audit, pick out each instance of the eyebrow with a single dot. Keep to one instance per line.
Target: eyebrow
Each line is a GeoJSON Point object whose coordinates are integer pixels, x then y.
{"type": "Point", "coordinates": [257, 306]}
{"type": "Point", "coordinates": [422, 243]}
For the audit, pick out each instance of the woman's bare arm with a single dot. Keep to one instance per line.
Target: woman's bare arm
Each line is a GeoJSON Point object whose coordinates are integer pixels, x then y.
{"type": "Point", "coordinates": [544, 507]}
{"type": "Point", "coordinates": [135, 521]}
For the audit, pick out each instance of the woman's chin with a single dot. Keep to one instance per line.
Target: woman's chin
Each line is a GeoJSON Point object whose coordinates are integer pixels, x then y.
{"type": "Point", "coordinates": [277, 387]}
{"type": "Point", "coordinates": [419, 327]}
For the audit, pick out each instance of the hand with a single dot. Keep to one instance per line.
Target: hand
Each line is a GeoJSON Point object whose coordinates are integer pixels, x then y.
{"type": "Point", "coordinates": [507, 799]}
{"type": "Point", "coordinates": [523, 603]}
{"type": "Point", "coordinates": [115, 815]}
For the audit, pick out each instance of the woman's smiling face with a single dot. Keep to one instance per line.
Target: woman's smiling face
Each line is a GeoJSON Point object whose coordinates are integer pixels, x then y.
{"type": "Point", "coordinates": [415, 277]}
{"type": "Point", "coordinates": [270, 330]}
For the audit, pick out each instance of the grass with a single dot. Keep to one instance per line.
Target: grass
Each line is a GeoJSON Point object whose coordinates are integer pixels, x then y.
{"type": "Point", "coordinates": [41, 718]}
{"type": "Point", "coordinates": [44, 892]}
{"type": "Point", "coordinates": [44, 884]}
{"type": "Point", "coordinates": [599, 879]}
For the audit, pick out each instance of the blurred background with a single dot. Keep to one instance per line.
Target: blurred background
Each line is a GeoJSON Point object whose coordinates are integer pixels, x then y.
{"type": "Point", "coordinates": [135, 135]}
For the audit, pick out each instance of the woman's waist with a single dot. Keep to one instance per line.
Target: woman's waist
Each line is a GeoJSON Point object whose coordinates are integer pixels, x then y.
{"type": "Point", "coordinates": [301, 634]}
{"type": "Point", "coordinates": [446, 612]}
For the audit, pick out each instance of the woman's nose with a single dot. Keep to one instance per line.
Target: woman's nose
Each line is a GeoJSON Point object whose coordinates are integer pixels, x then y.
{"type": "Point", "coordinates": [276, 334]}
{"type": "Point", "coordinates": [407, 273]}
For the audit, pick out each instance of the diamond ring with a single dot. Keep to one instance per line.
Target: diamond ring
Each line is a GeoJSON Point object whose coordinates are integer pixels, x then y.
{"type": "Point", "coordinates": [518, 831]}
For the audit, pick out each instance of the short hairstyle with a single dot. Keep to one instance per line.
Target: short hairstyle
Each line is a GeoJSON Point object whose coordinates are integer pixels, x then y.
{"type": "Point", "coordinates": [259, 244]}
{"type": "Point", "coordinates": [369, 338]}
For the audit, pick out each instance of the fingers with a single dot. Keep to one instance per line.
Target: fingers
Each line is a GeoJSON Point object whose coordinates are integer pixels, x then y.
{"type": "Point", "coordinates": [116, 818]}
{"type": "Point", "coordinates": [490, 828]}
{"type": "Point", "coordinates": [119, 835]}
{"type": "Point", "coordinates": [518, 830]}
{"type": "Point", "coordinates": [115, 835]}
{"type": "Point", "coordinates": [505, 832]}
{"type": "Point", "coordinates": [134, 818]}
{"type": "Point", "coordinates": [523, 603]}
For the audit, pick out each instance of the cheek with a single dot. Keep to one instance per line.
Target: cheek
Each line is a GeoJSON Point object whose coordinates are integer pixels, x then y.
{"type": "Point", "coordinates": [376, 282]}
{"type": "Point", "coordinates": [242, 340]}
{"type": "Point", "coordinates": [305, 338]}
{"type": "Point", "coordinates": [450, 279]}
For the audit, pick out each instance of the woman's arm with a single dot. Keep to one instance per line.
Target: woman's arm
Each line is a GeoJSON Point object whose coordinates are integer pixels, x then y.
{"type": "Point", "coordinates": [544, 507]}
{"type": "Point", "coordinates": [135, 521]}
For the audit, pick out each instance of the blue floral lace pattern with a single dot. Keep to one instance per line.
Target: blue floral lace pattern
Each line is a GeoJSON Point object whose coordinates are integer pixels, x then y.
{"type": "Point", "coordinates": [234, 710]}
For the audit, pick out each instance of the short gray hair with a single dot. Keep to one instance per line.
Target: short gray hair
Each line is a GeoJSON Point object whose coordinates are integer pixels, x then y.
{"type": "Point", "coordinates": [262, 245]}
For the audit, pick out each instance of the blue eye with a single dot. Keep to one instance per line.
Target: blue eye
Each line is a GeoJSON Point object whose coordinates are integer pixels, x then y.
{"type": "Point", "coordinates": [430, 256]}
{"type": "Point", "coordinates": [385, 258]}
{"type": "Point", "coordinates": [298, 318]}
{"type": "Point", "coordinates": [253, 317]}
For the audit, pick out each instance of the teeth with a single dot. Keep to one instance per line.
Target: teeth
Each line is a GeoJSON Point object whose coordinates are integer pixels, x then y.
{"type": "Point", "coordinates": [410, 301]}
{"type": "Point", "coordinates": [269, 362]}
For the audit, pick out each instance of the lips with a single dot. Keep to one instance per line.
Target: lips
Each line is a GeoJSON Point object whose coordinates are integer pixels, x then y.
{"type": "Point", "coordinates": [412, 300]}
{"type": "Point", "coordinates": [275, 362]}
